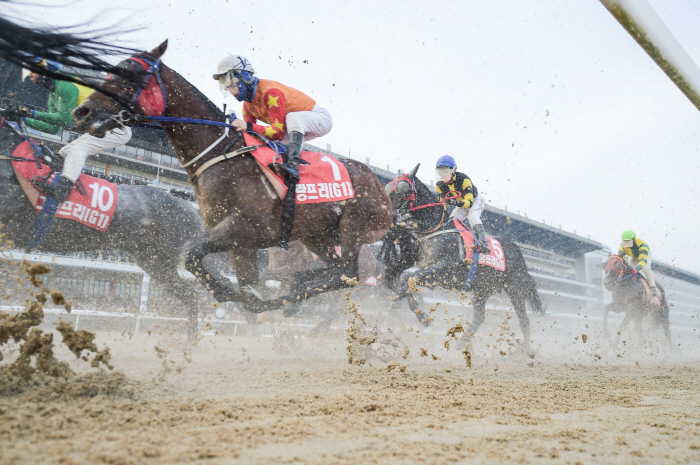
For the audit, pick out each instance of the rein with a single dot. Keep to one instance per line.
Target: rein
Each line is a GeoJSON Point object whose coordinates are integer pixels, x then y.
{"type": "Point", "coordinates": [127, 115]}
{"type": "Point", "coordinates": [411, 198]}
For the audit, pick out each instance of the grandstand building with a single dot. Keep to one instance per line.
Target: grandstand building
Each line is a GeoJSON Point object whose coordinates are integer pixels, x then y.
{"type": "Point", "coordinates": [565, 265]}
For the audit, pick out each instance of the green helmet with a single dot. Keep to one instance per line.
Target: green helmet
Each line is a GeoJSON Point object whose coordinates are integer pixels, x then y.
{"type": "Point", "coordinates": [628, 235]}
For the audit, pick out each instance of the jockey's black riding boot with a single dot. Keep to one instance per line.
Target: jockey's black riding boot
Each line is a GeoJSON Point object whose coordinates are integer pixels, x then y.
{"type": "Point", "coordinates": [293, 152]}
{"type": "Point", "coordinates": [59, 191]}
{"type": "Point", "coordinates": [481, 235]}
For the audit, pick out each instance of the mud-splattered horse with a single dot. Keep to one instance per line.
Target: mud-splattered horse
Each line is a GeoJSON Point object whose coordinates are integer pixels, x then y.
{"type": "Point", "coordinates": [630, 297]}
{"type": "Point", "coordinates": [235, 198]}
{"type": "Point", "coordinates": [438, 253]}
{"type": "Point", "coordinates": [149, 224]}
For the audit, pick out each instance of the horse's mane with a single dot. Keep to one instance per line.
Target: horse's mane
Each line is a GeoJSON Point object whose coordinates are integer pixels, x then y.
{"type": "Point", "coordinates": [209, 103]}
{"type": "Point", "coordinates": [425, 190]}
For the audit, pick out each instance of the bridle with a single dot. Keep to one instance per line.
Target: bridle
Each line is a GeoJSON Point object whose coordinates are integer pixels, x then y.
{"type": "Point", "coordinates": [408, 201]}
{"type": "Point", "coordinates": [616, 265]}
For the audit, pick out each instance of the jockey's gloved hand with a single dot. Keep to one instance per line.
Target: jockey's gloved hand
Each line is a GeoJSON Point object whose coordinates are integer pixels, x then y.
{"type": "Point", "coordinates": [634, 271]}
{"type": "Point", "coordinates": [455, 202]}
{"type": "Point", "coordinates": [23, 112]}
{"type": "Point", "coordinates": [639, 267]}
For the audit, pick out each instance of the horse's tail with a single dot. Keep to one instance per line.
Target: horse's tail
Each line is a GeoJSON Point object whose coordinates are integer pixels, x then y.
{"type": "Point", "coordinates": [520, 278]}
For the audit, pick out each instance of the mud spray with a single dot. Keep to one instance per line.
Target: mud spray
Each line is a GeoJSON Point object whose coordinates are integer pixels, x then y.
{"type": "Point", "coordinates": [35, 365]}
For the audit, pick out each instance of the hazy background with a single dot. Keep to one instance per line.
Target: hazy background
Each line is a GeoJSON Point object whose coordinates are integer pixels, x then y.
{"type": "Point", "coordinates": [550, 106]}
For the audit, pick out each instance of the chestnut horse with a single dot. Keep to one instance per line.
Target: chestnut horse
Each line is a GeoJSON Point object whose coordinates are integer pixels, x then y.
{"type": "Point", "coordinates": [240, 209]}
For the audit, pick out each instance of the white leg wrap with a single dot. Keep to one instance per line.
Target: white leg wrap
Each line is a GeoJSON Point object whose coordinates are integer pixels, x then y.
{"type": "Point", "coordinates": [86, 145]}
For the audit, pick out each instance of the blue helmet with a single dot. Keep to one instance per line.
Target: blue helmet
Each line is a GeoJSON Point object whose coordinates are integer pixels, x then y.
{"type": "Point", "coordinates": [447, 161]}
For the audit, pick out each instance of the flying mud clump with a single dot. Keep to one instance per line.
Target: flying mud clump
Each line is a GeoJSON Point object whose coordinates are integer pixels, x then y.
{"type": "Point", "coordinates": [35, 366]}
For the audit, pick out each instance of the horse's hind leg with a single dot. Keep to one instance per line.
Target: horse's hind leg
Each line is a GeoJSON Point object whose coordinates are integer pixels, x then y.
{"type": "Point", "coordinates": [479, 305]}
{"type": "Point", "coordinates": [519, 305]}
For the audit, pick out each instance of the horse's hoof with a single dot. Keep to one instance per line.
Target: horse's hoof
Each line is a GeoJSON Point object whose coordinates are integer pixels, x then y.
{"type": "Point", "coordinates": [251, 294]}
{"type": "Point", "coordinates": [424, 319]}
{"type": "Point", "coordinates": [291, 310]}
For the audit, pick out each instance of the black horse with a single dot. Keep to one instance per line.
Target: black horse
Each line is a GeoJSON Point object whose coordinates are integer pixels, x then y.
{"type": "Point", "coordinates": [149, 224]}
{"type": "Point", "coordinates": [439, 253]}
{"type": "Point", "coordinates": [631, 297]}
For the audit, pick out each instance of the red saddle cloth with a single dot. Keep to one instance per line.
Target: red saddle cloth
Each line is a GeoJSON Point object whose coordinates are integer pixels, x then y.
{"type": "Point", "coordinates": [496, 259]}
{"type": "Point", "coordinates": [325, 179]}
{"type": "Point", "coordinates": [95, 211]}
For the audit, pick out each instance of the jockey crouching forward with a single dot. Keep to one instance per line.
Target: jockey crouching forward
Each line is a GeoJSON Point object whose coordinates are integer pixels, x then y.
{"type": "Point", "coordinates": [293, 116]}
{"type": "Point", "coordinates": [469, 204]}
{"type": "Point", "coordinates": [636, 251]}
{"type": "Point", "coordinates": [64, 98]}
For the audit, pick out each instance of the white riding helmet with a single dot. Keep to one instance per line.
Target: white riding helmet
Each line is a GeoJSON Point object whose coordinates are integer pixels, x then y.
{"type": "Point", "coordinates": [229, 63]}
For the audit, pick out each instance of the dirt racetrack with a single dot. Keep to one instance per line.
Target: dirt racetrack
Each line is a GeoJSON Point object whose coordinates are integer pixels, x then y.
{"type": "Point", "coordinates": [250, 400]}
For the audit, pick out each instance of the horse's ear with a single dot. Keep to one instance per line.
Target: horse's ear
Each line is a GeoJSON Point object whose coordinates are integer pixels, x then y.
{"type": "Point", "coordinates": [159, 50]}
{"type": "Point", "coordinates": [413, 172]}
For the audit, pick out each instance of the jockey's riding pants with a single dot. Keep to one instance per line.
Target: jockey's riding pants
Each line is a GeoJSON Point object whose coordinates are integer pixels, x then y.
{"type": "Point", "coordinates": [86, 145]}
{"type": "Point", "coordinates": [312, 124]}
{"type": "Point", "coordinates": [646, 270]}
{"type": "Point", "coordinates": [473, 213]}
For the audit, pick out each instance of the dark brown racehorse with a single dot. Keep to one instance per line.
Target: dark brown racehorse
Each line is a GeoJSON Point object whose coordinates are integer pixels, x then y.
{"type": "Point", "coordinates": [240, 210]}
{"type": "Point", "coordinates": [630, 296]}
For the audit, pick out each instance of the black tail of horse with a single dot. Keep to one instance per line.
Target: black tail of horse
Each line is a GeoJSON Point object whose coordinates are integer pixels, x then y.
{"type": "Point", "coordinates": [520, 278]}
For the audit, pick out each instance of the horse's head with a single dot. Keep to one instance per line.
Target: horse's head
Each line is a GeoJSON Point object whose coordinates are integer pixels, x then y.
{"type": "Point", "coordinates": [137, 91]}
{"type": "Point", "coordinates": [615, 269]}
{"type": "Point", "coordinates": [402, 191]}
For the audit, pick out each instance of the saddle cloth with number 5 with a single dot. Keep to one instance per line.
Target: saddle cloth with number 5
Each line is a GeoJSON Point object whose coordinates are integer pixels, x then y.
{"type": "Point", "coordinates": [496, 259]}
{"type": "Point", "coordinates": [324, 179]}
{"type": "Point", "coordinates": [95, 211]}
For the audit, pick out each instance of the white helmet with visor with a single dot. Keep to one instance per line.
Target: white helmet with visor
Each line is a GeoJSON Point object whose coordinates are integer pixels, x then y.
{"type": "Point", "coordinates": [230, 70]}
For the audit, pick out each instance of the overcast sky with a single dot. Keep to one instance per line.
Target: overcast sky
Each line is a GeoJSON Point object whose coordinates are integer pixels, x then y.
{"type": "Point", "coordinates": [549, 106]}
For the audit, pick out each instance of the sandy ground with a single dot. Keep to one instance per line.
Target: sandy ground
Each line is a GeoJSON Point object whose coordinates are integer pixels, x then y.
{"type": "Point", "coordinates": [295, 399]}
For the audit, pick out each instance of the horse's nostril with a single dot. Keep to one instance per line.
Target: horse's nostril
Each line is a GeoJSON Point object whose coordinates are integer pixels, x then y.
{"type": "Point", "coordinates": [82, 112]}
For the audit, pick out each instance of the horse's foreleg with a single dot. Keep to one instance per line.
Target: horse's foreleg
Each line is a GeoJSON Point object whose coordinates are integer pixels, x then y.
{"type": "Point", "coordinates": [479, 305]}
{"type": "Point", "coordinates": [638, 328]}
{"type": "Point", "coordinates": [426, 277]}
{"type": "Point", "coordinates": [221, 238]}
{"type": "Point", "coordinates": [606, 311]}
{"type": "Point", "coordinates": [245, 265]}
{"type": "Point", "coordinates": [623, 325]}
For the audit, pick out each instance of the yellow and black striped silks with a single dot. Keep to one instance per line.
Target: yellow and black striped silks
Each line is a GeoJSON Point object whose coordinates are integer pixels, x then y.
{"type": "Point", "coordinates": [462, 184]}
{"type": "Point", "coordinates": [639, 251]}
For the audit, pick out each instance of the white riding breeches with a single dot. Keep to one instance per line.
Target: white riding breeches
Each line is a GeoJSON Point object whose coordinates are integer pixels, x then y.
{"type": "Point", "coordinates": [472, 214]}
{"type": "Point", "coordinates": [646, 270]}
{"type": "Point", "coordinates": [86, 145]}
{"type": "Point", "coordinates": [315, 123]}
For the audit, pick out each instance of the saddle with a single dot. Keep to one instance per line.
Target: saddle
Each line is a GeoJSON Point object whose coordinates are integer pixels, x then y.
{"type": "Point", "coordinates": [654, 298]}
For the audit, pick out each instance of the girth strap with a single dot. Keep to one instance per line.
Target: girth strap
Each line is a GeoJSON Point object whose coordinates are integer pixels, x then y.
{"type": "Point", "coordinates": [224, 157]}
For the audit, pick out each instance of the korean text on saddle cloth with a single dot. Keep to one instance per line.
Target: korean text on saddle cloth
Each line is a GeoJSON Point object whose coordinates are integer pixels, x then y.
{"type": "Point", "coordinates": [323, 179]}
{"type": "Point", "coordinates": [95, 210]}
{"type": "Point", "coordinates": [496, 259]}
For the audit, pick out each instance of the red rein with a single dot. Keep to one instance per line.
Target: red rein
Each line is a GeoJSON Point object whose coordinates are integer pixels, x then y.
{"type": "Point", "coordinates": [449, 196]}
